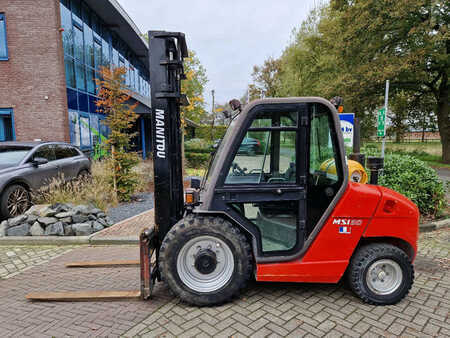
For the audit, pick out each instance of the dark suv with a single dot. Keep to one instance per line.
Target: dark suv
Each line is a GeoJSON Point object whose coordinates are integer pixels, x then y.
{"type": "Point", "coordinates": [27, 166]}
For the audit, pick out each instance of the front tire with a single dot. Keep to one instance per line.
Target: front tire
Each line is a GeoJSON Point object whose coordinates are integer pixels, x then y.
{"type": "Point", "coordinates": [205, 260]}
{"type": "Point", "coordinates": [14, 201]}
{"type": "Point", "coordinates": [380, 274]}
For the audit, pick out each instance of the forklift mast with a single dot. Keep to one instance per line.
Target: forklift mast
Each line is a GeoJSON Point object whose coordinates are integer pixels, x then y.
{"type": "Point", "coordinates": [167, 51]}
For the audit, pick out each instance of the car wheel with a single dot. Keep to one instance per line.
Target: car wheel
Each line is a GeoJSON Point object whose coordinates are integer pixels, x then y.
{"type": "Point", "coordinates": [14, 201]}
{"type": "Point", "coordinates": [84, 175]}
{"type": "Point", "coordinates": [381, 274]}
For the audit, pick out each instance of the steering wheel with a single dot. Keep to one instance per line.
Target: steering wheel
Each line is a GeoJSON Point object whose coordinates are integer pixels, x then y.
{"type": "Point", "coordinates": [237, 170]}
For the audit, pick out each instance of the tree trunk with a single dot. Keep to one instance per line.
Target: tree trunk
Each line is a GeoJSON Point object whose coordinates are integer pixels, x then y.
{"type": "Point", "coordinates": [444, 118]}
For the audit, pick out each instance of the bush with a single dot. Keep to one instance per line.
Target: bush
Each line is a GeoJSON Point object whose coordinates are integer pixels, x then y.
{"type": "Point", "coordinates": [94, 190]}
{"type": "Point", "coordinates": [197, 145]}
{"type": "Point", "coordinates": [197, 160]}
{"type": "Point", "coordinates": [416, 180]}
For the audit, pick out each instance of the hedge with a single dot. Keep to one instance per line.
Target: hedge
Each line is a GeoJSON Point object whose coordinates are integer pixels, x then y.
{"type": "Point", "coordinates": [206, 132]}
{"type": "Point", "coordinates": [197, 160]}
{"type": "Point", "coordinates": [416, 180]}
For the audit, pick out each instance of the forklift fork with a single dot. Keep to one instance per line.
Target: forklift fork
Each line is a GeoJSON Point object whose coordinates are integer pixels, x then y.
{"type": "Point", "coordinates": [149, 250]}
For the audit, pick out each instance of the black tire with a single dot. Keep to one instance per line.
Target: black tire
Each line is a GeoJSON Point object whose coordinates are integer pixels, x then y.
{"type": "Point", "coordinates": [84, 175]}
{"type": "Point", "coordinates": [365, 261]}
{"type": "Point", "coordinates": [195, 228]}
{"type": "Point", "coordinates": [6, 199]}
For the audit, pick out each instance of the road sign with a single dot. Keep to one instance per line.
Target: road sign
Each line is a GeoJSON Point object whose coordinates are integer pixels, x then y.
{"type": "Point", "coordinates": [381, 125]}
{"type": "Point", "coordinates": [347, 123]}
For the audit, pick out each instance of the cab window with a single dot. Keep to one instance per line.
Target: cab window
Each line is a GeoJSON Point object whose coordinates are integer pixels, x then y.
{"type": "Point", "coordinates": [267, 153]}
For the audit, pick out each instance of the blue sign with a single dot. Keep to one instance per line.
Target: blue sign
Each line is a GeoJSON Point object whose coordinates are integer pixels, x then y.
{"type": "Point", "coordinates": [347, 124]}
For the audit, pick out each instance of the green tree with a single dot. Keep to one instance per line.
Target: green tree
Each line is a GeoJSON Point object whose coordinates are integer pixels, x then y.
{"type": "Point", "coordinates": [194, 86]}
{"type": "Point", "coordinates": [266, 78]}
{"type": "Point", "coordinates": [405, 41]}
{"type": "Point", "coordinates": [120, 117]}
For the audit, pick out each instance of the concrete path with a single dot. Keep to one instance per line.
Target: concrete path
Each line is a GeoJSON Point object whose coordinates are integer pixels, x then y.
{"type": "Point", "coordinates": [264, 309]}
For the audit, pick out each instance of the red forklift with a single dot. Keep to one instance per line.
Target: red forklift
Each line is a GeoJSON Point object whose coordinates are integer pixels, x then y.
{"type": "Point", "coordinates": [276, 215]}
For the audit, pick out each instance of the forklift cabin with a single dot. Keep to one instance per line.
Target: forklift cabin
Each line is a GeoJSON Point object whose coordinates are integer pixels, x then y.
{"type": "Point", "coordinates": [278, 192]}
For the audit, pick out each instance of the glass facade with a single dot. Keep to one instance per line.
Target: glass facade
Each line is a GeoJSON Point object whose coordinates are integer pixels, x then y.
{"type": "Point", "coordinates": [89, 44]}
{"type": "Point", "coordinates": [3, 40]}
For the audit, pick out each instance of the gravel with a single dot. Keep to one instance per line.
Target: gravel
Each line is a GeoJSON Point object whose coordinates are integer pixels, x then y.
{"type": "Point", "coordinates": [140, 203]}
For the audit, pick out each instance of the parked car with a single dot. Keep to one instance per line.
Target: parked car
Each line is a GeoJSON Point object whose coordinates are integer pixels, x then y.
{"type": "Point", "coordinates": [250, 146]}
{"type": "Point", "coordinates": [27, 166]}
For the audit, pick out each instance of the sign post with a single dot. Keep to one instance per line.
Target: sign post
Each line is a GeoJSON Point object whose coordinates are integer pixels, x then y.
{"type": "Point", "coordinates": [386, 97]}
{"type": "Point", "coordinates": [347, 127]}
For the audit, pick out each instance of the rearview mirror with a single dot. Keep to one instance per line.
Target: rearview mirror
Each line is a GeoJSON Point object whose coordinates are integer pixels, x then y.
{"type": "Point", "coordinates": [37, 161]}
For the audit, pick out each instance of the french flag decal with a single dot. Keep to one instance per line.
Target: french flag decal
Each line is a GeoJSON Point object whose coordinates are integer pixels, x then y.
{"type": "Point", "coordinates": [345, 230]}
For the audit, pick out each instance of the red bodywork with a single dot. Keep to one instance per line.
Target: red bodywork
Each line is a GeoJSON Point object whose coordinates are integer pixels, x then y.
{"type": "Point", "coordinates": [365, 212]}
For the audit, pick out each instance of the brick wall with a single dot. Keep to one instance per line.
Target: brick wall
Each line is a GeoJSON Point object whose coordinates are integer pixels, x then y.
{"type": "Point", "coordinates": [35, 70]}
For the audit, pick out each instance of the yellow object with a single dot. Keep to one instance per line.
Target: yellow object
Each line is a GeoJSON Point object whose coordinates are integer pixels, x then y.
{"type": "Point", "coordinates": [356, 172]}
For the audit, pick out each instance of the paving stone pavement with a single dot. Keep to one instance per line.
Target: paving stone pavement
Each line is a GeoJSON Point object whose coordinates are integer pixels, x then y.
{"type": "Point", "coordinates": [15, 259]}
{"type": "Point", "coordinates": [264, 309]}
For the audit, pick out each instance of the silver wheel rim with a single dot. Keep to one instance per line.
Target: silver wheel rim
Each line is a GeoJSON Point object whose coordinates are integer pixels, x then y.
{"type": "Point", "coordinates": [17, 202]}
{"type": "Point", "coordinates": [384, 277]}
{"type": "Point", "coordinates": [197, 281]}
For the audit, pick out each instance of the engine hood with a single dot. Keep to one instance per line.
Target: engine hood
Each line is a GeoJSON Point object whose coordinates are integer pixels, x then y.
{"type": "Point", "coordinates": [394, 204]}
{"type": "Point", "coordinates": [6, 168]}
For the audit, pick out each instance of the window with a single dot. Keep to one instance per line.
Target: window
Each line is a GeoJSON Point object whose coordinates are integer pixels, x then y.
{"type": "Point", "coordinates": [84, 131]}
{"type": "Point", "coordinates": [78, 43]}
{"type": "Point", "coordinates": [6, 125]}
{"type": "Point", "coordinates": [70, 72]}
{"type": "Point", "coordinates": [62, 151]}
{"type": "Point", "coordinates": [322, 157]}
{"type": "Point", "coordinates": [66, 23]}
{"type": "Point", "coordinates": [46, 151]}
{"type": "Point", "coordinates": [267, 153]}
{"type": "Point", "coordinates": [276, 222]}
{"type": "Point", "coordinates": [3, 40]}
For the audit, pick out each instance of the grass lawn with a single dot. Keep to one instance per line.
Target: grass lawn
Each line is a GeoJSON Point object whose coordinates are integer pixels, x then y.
{"type": "Point", "coordinates": [430, 152]}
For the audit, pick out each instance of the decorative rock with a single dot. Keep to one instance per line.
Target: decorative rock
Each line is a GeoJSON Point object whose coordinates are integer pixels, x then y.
{"type": "Point", "coordinates": [66, 220]}
{"type": "Point", "coordinates": [60, 207]}
{"type": "Point", "coordinates": [102, 222]}
{"type": "Point", "coordinates": [47, 220]}
{"type": "Point", "coordinates": [82, 229]}
{"type": "Point", "coordinates": [36, 229]}
{"type": "Point", "coordinates": [3, 226]}
{"type": "Point", "coordinates": [96, 226]}
{"type": "Point", "coordinates": [101, 215]}
{"type": "Point", "coordinates": [19, 230]}
{"type": "Point", "coordinates": [36, 209]}
{"type": "Point", "coordinates": [79, 218]}
{"type": "Point", "coordinates": [95, 211]}
{"type": "Point", "coordinates": [48, 212]}
{"type": "Point", "coordinates": [82, 209]}
{"type": "Point", "coordinates": [92, 217]}
{"type": "Point", "coordinates": [109, 221]}
{"type": "Point", "coordinates": [65, 214]}
{"type": "Point", "coordinates": [68, 231]}
{"type": "Point", "coordinates": [55, 229]}
{"type": "Point", "coordinates": [31, 219]}
{"type": "Point", "coordinates": [17, 220]}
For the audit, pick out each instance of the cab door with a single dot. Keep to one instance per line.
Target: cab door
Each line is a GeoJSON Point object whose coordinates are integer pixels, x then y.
{"type": "Point", "coordinates": [264, 178]}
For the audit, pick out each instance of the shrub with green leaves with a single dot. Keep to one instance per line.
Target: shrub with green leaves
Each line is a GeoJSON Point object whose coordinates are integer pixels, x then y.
{"type": "Point", "coordinates": [416, 180]}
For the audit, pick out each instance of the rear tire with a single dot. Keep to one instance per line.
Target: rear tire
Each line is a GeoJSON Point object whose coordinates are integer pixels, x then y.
{"type": "Point", "coordinates": [205, 260]}
{"type": "Point", "coordinates": [380, 274]}
{"type": "Point", "coordinates": [14, 201]}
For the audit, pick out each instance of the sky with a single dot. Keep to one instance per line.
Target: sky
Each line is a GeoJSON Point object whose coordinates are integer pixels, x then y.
{"type": "Point", "coordinates": [229, 36]}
